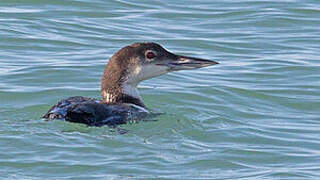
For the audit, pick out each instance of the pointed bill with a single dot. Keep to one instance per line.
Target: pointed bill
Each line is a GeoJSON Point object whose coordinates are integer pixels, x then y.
{"type": "Point", "coordinates": [186, 62]}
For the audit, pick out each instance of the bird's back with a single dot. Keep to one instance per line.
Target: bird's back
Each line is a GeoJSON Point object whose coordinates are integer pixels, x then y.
{"type": "Point", "coordinates": [94, 112]}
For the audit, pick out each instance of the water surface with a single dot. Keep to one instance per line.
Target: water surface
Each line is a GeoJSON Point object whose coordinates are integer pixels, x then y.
{"type": "Point", "coordinates": [254, 116]}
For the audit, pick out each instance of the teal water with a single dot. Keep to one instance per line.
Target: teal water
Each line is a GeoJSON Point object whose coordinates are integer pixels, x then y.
{"type": "Point", "coordinates": [254, 116]}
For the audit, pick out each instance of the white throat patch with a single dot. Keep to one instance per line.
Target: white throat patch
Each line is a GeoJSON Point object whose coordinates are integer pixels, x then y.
{"type": "Point", "coordinates": [131, 90]}
{"type": "Point", "coordinates": [130, 82]}
{"type": "Point", "coordinates": [144, 72]}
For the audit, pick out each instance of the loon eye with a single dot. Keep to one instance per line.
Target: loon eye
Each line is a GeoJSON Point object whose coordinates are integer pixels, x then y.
{"type": "Point", "coordinates": [150, 55]}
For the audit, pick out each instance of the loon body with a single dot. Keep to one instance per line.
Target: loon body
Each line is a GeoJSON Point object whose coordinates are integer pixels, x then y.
{"type": "Point", "coordinates": [121, 100]}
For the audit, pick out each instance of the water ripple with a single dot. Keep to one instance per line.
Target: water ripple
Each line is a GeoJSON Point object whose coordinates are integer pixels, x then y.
{"type": "Point", "coordinates": [253, 116]}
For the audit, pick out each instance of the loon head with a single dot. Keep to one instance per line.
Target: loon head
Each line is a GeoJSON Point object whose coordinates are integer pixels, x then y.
{"type": "Point", "coordinates": [137, 62]}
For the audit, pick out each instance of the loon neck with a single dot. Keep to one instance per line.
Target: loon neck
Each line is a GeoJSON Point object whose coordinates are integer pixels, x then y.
{"type": "Point", "coordinates": [124, 93]}
{"type": "Point", "coordinates": [117, 85]}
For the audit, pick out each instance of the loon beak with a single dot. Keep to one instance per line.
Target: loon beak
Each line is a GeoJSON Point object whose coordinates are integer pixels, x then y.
{"type": "Point", "coordinates": [184, 63]}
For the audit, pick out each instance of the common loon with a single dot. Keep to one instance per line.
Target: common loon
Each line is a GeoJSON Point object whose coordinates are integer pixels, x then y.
{"type": "Point", "coordinates": [121, 100]}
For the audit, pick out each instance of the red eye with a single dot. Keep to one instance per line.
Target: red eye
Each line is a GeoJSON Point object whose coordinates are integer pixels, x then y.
{"type": "Point", "coordinates": [150, 55]}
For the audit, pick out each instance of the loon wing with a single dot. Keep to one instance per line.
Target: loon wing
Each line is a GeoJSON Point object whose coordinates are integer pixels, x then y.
{"type": "Point", "coordinates": [59, 110]}
{"type": "Point", "coordinates": [93, 112]}
{"type": "Point", "coordinates": [96, 114]}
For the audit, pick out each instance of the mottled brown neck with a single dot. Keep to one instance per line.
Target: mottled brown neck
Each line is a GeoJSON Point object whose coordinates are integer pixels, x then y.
{"type": "Point", "coordinates": [118, 95]}
{"type": "Point", "coordinates": [115, 77]}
